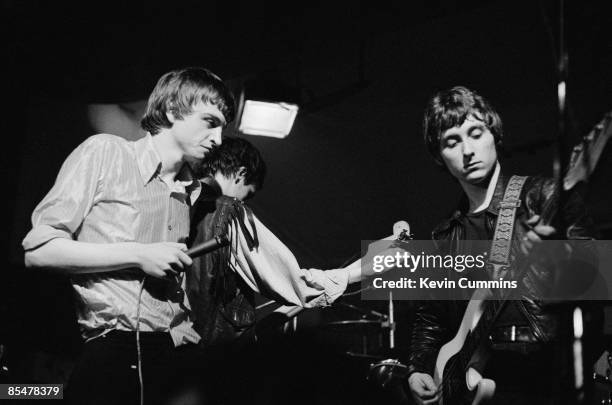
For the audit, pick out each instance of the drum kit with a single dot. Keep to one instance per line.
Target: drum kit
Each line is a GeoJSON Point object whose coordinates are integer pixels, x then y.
{"type": "Point", "coordinates": [367, 339]}
{"type": "Point", "coordinates": [362, 332]}
{"type": "Point", "coordinates": [373, 332]}
{"type": "Point", "coordinates": [370, 337]}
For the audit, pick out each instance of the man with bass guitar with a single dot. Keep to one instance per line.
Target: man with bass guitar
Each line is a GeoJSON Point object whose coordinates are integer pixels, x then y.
{"type": "Point", "coordinates": [464, 135]}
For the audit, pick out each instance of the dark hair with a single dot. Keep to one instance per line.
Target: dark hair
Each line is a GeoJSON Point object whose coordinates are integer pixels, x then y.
{"type": "Point", "coordinates": [450, 108]}
{"type": "Point", "coordinates": [230, 156]}
{"type": "Point", "coordinates": [179, 90]}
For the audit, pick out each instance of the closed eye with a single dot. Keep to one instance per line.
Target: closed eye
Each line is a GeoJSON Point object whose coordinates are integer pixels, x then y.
{"type": "Point", "coordinates": [476, 131]}
{"type": "Point", "coordinates": [450, 142]}
{"type": "Point", "coordinates": [212, 122]}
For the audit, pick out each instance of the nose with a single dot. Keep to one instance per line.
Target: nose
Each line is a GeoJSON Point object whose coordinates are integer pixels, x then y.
{"type": "Point", "coordinates": [216, 137]}
{"type": "Point", "coordinates": [468, 148]}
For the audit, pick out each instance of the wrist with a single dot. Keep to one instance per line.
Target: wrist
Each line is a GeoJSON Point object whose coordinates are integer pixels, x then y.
{"type": "Point", "coordinates": [354, 274]}
{"type": "Point", "coordinates": [132, 254]}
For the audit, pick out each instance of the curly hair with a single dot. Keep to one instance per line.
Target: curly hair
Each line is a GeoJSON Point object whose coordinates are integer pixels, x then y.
{"type": "Point", "coordinates": [230, 156]}
{"type": "Point", "coordinates": [449, 108]}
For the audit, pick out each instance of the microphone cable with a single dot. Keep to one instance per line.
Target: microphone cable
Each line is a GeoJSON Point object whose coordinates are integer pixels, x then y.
{"type": "Point", "coordinates": [138, 349]}
{"type": "Point", "coordinates": [201, 249]}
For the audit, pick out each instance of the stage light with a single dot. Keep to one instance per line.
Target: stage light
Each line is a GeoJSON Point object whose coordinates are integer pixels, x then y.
{"type": "Point", "coordinates": [266, 118]}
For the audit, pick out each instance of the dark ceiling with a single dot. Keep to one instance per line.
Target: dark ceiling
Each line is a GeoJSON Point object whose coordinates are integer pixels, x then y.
{"type": "Point", "coordinates": [118, 49]}
{"type": "Point", "coordinates": [356, 163]}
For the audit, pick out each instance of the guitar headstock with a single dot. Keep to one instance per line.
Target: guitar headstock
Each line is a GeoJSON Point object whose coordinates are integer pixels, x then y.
{"type": "Point", "coordinates": [586, 154]}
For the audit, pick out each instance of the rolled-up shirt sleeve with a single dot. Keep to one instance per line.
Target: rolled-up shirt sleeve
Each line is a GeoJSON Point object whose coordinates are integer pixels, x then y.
{"type": "Point", "coordinates": [271, 269]}
{"type": "Point", "coordinates": [62, 210]}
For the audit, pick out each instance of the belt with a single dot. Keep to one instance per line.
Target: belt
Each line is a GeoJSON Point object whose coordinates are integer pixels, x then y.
{"type": "Point", "coordinates": [129, 337]}
{"type": "Point", "coordinates": [513, 333]}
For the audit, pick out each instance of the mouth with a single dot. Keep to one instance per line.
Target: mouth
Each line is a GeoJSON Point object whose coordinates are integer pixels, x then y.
{"type": "Point", "coordinates": [209, 147]}
{"type": "Point", "coordinates": [471, 166]}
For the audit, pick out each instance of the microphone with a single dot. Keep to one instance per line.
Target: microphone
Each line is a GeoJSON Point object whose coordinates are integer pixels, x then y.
{"type": "Point", "coordinates": [401, 231]}
{"type": "Point", "coordinates": [208, 246]}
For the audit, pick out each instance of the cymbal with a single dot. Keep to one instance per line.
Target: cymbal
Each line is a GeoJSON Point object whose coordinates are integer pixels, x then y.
{"type": "Point", "coordinates": [356, 322]}
{"type": "Point", "coordinates": [352, 325]}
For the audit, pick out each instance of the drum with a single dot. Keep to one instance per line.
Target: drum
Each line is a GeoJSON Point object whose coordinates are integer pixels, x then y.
{"type": "Point", "coordinates": [602, 385]}
{"type": "Point", "coordinates": [361, 337]}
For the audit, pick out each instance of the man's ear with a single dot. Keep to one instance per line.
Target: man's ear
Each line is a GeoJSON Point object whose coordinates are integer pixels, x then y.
{"type": "Point", "coordinates": [170, 117]}
{"type": "Point", "coordinates": [169, 113]}
{"type": "Point", "coordinates": [241, 174]}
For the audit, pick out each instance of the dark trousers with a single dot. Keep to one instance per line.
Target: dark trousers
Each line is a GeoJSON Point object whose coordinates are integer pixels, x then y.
{"type": "Point", "coordinates": [107, 372]}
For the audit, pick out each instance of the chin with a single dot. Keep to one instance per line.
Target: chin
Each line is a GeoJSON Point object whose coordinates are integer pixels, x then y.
{"type": "Point", "coordinates": [476, 178]}
{"type": "Point", "coordinates": [480, 176]}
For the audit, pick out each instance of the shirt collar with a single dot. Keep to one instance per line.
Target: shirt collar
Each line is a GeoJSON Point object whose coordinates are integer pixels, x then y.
{"type": "Point", "coordinates": [149, 161]}
{"type": "Point", "coordinates": [498, 194]}
{"type": "Point", "coordinates": [149, 164]}
{"type": "Point", "coordinates": [187, 179]}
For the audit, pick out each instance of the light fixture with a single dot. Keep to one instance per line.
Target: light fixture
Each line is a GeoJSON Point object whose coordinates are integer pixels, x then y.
{"type": "Point", "coordinates": [267, 118]}
{"type": "Point", "coordinates": [268, 106]}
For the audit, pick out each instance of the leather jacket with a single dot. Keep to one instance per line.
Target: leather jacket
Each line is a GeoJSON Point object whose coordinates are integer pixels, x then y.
{"type": "Point", "coordinates": [436, 322]}
{"type": "Point", "coordinates": [222, 305]}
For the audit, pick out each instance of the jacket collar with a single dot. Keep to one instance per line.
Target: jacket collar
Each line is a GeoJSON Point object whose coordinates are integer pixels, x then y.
{"type": "Point", "coordinates": [462, 209]}
{"type": "Point", "coordinates": [498, 194]}
{"type": "Point", "coordinates": [211, 190]}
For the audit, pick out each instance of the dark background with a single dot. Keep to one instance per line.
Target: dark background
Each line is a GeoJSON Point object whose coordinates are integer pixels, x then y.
{"type": "Point", "coordinates": [354, 162]}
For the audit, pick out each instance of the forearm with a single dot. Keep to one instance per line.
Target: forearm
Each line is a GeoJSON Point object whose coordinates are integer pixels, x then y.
{"type": "Point", "coordinates": [273, 270]}
{"type": "Point", "coordinates": [364, 267]}
{"type": "Point", "coordinates": [76, 257]}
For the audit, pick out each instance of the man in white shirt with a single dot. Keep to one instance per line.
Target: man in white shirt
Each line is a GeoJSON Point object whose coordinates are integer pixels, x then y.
{"type": "Point", "coordinates": [116, 221]}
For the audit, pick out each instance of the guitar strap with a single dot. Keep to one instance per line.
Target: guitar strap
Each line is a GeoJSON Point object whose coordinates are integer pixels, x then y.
{"type": "Point", "coordinates": [499, 260]}
{"type": "Point", "coordinates": [499, 256]}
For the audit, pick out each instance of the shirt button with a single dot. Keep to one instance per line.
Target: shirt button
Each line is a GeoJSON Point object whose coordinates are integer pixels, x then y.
{"type": "Point", "coordinates": [169, 227]}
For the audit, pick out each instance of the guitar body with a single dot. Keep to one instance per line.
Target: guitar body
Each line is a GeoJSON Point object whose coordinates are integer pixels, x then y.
{"type": "Point", "coordinates": [466, 376]}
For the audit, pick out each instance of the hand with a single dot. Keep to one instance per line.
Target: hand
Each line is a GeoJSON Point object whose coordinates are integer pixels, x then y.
{"type": "Point", "coordinates": [423, 388]}
{"type": "Point", "coordinates": [537, 231]}
{"type": "Point", "coordinates": [163, 258]}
